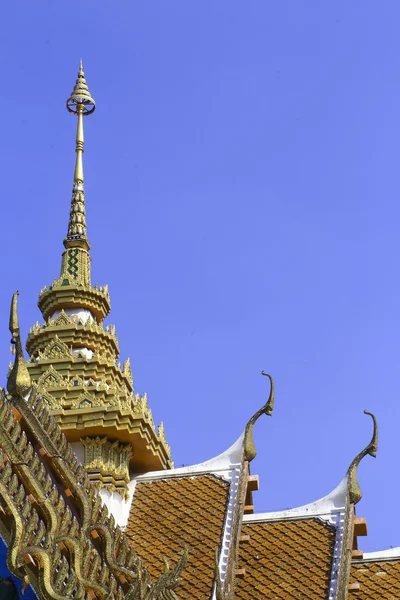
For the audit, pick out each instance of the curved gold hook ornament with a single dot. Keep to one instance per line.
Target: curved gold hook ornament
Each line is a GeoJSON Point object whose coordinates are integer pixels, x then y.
{"type": "Point", "coordinates": [249, 447]}
{"type": "Point", "coordinates": [19, 381]}
{"type": "Point", "coordinates": [372, 448]}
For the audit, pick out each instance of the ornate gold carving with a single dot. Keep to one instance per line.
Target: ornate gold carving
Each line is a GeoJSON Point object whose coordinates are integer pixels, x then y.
{"type": "Point", "coordinates": [162, 437]}
{"type": "Point", "coordinates": [250, 450]}
{"type": "Point", "coordinates": [60, 320]}
{"type": "Point", "coordinates": [74, 361]}
{"type": "Point", "coordinates": [66, 292]}
{"type": "Point", "coordinates": [86, 400]}
{"type": "Point", "coordinates": [55, 525]}
{"type": "Point", "coordinates": [73, 331]}
{"type": "Point", "coordinates": [50, 378]}
{"type": "Point", "coordinates": [355, 493]}
{"type": "Point", "coordinates": [19, 381]}
{"type": "Point", "coordinates": [107, 464]}
{"type": "Point", "coordinates": [56, 349]}
{"type": "Point", "coordinates": [128, 371]}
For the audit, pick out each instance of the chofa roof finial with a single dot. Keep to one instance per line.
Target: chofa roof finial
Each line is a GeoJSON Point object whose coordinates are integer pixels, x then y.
{"type": "Point", "coordinates": [249, 447]}
{"type": "Point", "coordinates": [352, 482]}
{"type": "Point", "coordinates": [19, 381]}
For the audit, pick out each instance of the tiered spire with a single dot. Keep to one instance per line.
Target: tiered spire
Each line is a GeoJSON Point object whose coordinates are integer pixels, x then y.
{"type": "Point", "coordinates": [74, 357]}
{"type": "Point", "coordinates": [80, 103]}
{"type": "Point", "coordinates": [76, 261]}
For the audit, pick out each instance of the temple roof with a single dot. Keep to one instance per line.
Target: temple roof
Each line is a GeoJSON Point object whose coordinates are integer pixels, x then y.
{"type": "Point", "coordinates": [167, 514]}
{"type": "Point", "coordinates": [286, 543]}
{"type": "Point", "coordinates": [286, 559]}
{"type": "Point", "coordinates": [375, 579]}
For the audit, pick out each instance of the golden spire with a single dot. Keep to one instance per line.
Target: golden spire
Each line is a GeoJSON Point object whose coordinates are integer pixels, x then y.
{"type": "Point", "coordinates": [80, 103]}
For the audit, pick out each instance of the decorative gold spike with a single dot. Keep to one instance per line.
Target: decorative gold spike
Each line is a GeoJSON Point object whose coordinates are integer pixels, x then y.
{"type": "Point", "coordinates": [19, 381]}
{"type": "Point", "coordinates": [249, 447]}
{"type": "Point", "coordinates": [372, 448]}
{"type": "Point", "coordinates": [81, 96]}
{"type": "Point", "coordinates": [80, 103]}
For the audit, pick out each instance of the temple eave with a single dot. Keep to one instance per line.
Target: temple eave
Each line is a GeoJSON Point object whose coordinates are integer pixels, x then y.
{"type": "Point", "coordinates": [65, 294]}
{"type": "Point", "coordinates": [150, 452]}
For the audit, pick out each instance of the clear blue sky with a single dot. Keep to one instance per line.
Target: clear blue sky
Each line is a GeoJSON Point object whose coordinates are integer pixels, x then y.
{"type": "Point", "coordinates": [243, 206]}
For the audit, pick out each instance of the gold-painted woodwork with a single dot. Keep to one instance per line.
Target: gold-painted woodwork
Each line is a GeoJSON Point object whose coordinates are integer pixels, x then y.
{"type": "Point", "coordinates": [107, 464]}
{"type": "Point", "coordinates": [50, 516]}
{"type": "Point", "coordinates": [64, 293]}
{"type": "Point", "coordinates": [151, 450]}
{"type": "Point", "coordinates": [77, 223]}
{"type": "Point", "coordinates": [19, 381]}
{"type": "Point", "coordinates": [73, 332]}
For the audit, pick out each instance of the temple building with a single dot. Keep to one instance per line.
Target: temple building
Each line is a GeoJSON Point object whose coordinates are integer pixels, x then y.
{"type": "Point", "coordinates": [91, 506]}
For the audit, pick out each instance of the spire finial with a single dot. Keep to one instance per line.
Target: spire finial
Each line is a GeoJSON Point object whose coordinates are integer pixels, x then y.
{"type": "Point", "coordinates": [353, 485]}
{"type": "Point", "coordinates": [19, 381]}
{"type": "Point", "coordinates": [250, 450]}
{"type": "Point", "coordinates": [81, 100]}
{"type": "Point", "coordinates": [79, 103]}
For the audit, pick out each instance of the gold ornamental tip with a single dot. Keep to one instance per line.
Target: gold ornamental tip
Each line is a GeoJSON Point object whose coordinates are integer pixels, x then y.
{"type": "Point", "coordinates": [80, 99]}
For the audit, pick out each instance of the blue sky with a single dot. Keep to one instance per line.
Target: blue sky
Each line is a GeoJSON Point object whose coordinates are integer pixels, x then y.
{"type": "Point", "coordinates": [243, 206]}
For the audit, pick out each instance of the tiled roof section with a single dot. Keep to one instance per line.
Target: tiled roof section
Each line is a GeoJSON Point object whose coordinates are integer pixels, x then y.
{"type": "Point", "coordinates": [167, 513]}
{"type": "Point", "coordinates": [286, 559]}
{"type": "Point", "coordinates": [378, 580]}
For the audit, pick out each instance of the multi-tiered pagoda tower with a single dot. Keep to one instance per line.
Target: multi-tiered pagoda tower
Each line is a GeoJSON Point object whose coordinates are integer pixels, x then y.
{"type": "Point", "coordinates": [73, 356]}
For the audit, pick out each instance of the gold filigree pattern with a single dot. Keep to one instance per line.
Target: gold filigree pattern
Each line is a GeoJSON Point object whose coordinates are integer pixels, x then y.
{"type": "Point", "coordinates": [56, 349]}
{"type": "Point", "coordinates": [107, 464]}
{"type": "Point", "coordinates": [73, 355]}
{"type": "Point", "coordinates": [59, 535]}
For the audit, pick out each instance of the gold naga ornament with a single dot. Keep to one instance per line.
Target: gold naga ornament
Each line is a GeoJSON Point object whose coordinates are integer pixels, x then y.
{"type": "Point", "coordinates": [73, 356]}
{"type": "Point", "coordinates": [354, 489]}
{"type": "Point", "coordinates": [19, 381]}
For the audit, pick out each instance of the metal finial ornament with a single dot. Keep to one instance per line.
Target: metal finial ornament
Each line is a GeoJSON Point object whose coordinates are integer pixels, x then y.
{"type": "Point", "coordinates": [372, 448]}
{"type": "Point", "coordinates": [80, 103]}
{"type": "Point", "coordinates": [19, 381]}
{"type": "Point", "coordinates": [250, 450]}
{"type": "Point", "coordinates": [81, 99]}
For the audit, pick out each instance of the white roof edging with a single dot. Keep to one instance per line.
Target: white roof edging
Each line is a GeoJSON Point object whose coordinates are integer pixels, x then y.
{"type": "Point", "coordinates": [224, 465]}
{"type": "Point", "coordinates": [323, 508]}
{"type": "Point", "coordinates": [382, 554]}
{"type": "Point", "coordinates": [229, 459]}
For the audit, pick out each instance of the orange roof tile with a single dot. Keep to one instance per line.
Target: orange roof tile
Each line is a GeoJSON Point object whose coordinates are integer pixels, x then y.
{"type": "Point", "coordinates": [167, 513]}
{"type": "Point", "coordinates": [379, 580]}
{"type": "Point", "coordinates": [286, 559]}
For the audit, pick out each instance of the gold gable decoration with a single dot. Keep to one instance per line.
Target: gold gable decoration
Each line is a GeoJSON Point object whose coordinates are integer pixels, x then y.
{"type": "Point", "coordinates": [60, 537]}
{"type": "Point", "coordinates": [107, 464]}
{"type": "Point", "coordinates": [56, 349]}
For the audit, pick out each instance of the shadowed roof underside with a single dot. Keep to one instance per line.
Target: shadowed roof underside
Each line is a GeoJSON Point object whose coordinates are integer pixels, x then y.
{"type": "Point", "coordinates": [168, 513]}
{"type": "Point", "coordinates": [286, 559]}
